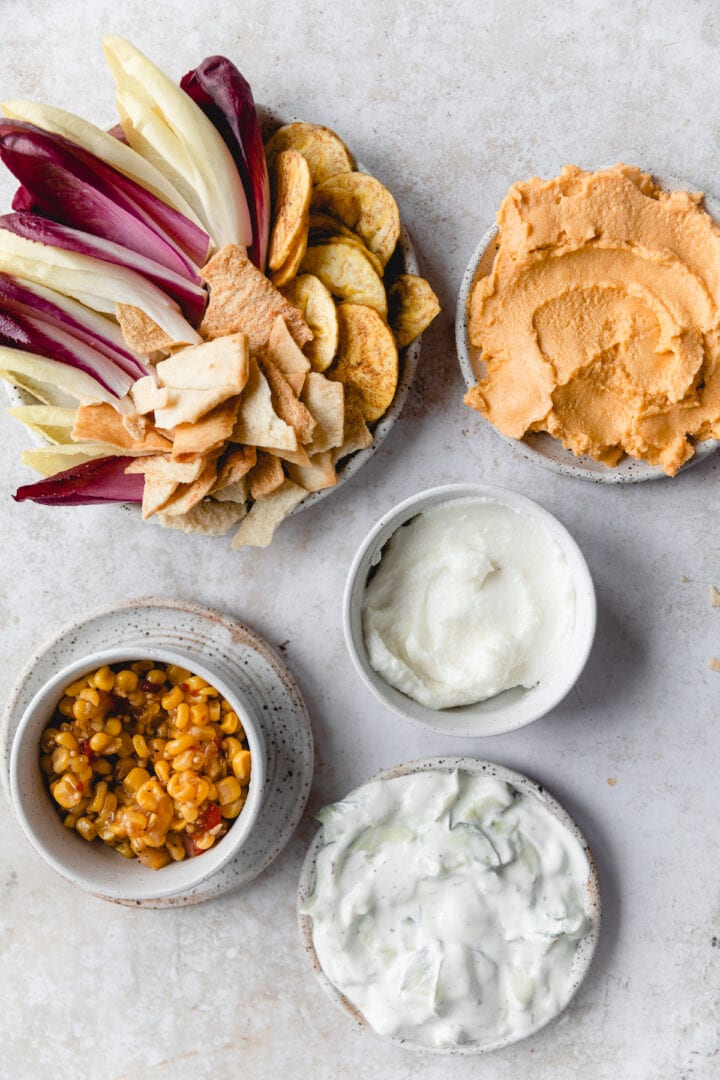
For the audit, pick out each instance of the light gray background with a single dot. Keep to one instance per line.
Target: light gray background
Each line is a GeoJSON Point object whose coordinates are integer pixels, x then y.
{"type": "Point", "coordinates": [448, 103]}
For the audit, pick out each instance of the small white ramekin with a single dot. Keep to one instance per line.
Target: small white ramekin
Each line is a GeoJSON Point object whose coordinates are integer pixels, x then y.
{"type": "Point", "coordinates": [513, 708]}
{"type": "Point", "coordinates": [95, 866]}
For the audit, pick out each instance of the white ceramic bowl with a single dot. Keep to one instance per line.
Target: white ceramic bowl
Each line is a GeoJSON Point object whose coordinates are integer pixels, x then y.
{"type": "Point", "coordinates": [586, 948]}
{"type": "Point", "coordinates": [542, 448]}
{"type": "Point", "coordinates": [94, 866]}
{"type": "Point", "coordinates": [513, 708]}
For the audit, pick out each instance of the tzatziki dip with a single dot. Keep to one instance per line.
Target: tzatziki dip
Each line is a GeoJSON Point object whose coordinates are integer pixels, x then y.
{"type": "Point", "coordinates": [448, 907]}
{"type": "Point", "coordinates": [470, 598]}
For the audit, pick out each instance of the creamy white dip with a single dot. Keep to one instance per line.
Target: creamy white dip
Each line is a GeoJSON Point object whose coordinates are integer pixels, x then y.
{"type": "Point", "coordinates": [448, 907]}
{"type": "Point", "coordinates": [469, 599]}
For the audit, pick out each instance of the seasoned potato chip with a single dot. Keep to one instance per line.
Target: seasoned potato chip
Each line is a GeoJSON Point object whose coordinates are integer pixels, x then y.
{"type": "Point", "coordinates": [324, 151]}
{"type": "Point", "coordinates": [292, 189]}
{"type": "Point", "coordinates": [266, 514]}
{"type": "Point", "coordinates": [367, 358]}
{"type": "Point", "coordinates": [324, 227]}
{"type": "Point", "coordinates": [348, 273]}
{"type": "Point", "coordinates": [292, 264]}
{"type": "Point", "coordinates": [207, 518]}
{"type": "Point", "coordinates": [412, 305]}
{"type": "Point", "coordinates": [365, 205]}
{"type": "Point", "coordinates": [313, 299]}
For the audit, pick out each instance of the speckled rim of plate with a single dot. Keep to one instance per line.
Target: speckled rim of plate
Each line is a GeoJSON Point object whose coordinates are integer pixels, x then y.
{"type": "Point", "coordinates": [409, 358]}
{"type": "Point", "coordinates": [585, 950]}
{"type": "Point", "coordinates": [242, 658]}
{"type": "Point", "coordinates": [542, 448]}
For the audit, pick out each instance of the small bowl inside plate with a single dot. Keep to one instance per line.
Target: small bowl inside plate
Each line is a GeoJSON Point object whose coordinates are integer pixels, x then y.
{"type": "Point", "coordinates": [95, 866]}
{"type": "Point", "coordinates": [511, 709]}
{"type": "Point", "coordinates": [526, 786]}
{"type": "Point", "coordinates": [542, 448]}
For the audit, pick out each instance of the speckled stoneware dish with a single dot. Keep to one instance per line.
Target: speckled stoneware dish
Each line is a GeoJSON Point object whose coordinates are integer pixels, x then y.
{"type": "Point", "coordinates": [511, 709]}
{"type": "Point", "coordinates": [239, 661]}
{"type": "Point", "coordinates": [586, 948]}
{"type": "Point", "coordinates": [543, 448]}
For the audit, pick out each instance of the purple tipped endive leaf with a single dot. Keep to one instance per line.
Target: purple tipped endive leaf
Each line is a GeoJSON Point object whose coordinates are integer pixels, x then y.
{"type": "Point", "coordinates": [100, 481]}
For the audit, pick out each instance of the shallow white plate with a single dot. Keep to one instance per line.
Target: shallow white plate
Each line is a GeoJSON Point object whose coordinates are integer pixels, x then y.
{"type": "Point", "coordinates": [243, 660]}
{"type": "Point", "coordinates": [543, 448]}
{"type": "Point", "coordinates": [585, 950]}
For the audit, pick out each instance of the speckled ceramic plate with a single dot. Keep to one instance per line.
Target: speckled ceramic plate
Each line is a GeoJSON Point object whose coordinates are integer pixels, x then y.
{"type": "Point", "coordinates": [543, 448]}
{"type": "Point", "coordinates": [585, 950]}
{"type": "Point", "coordinates": [242, 659]}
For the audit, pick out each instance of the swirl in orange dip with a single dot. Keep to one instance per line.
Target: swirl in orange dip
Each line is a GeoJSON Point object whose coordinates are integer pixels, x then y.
{"type": "Point", "coordinates": [600, 320]}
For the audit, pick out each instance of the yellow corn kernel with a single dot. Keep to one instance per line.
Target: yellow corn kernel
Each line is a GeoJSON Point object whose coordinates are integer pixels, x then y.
{"type": "Point", "coordinates": [182, 716]}
{"type": "Point", "coordinates": [104, 679]}
{"type": "Point", "coordinates": [113, 726]}
{"type": "Point", "coordinates": [67, 791]}
{"type": "Point", "coordinates": [99, 742]}
{"type": "Point", "coordinates": [125, 850]}
{"type": "Point", "coordinates": [195, 682]}
{"type": "Point", "coordinates": [102, 767]}
{"type": "Point", "coordinates": [231, 810]}
{"type": "Point", "coordinates": [140, 746]}
{"type": "Point", "coordinates": [225, 705]}
{"type": "Point", "coordinates": [189, 811]}
{"type": "Point", "coordinates": [136, 778]}
{"type": "Point", "coordinates": [241, 766]}
{"type": "Point", "coordinates": [199, 714]}
{"type": "Point", "coordinates": [162, 771]}
{"type": "Point", "coordinates": [155, 860]}
{"type": "Point", "coordinates": [204, 732]}
{"type": "Point", "coordinates": [189, 759]}
{"type": "Point", "coordinates": [176, 674]}
{"type": "Point", "coordinates": [175, 847]}
{"type": "Point", "coordinates": [202, 790]}
{"type": "Point", "coordinates": [80, 767]}
{"type": "Point", "coordinates": [157, 748]}
{"type": "Point", "coordinates": [214, 711]}
{"type": "Point", "coordinates": [75, 687]}
{"type": "Point", "coordinates": [83, 710]}
{"type": "Point", "coordinates": [177, 746]}
{"type": "Point", "coordinates": [230, 723]}
{"type": "Point", "coordinates": [60, 759]}
{"type": "Point", "coordinates": [66, 738]}
{"type": "Point", "coordinates": [133, 822]}
{"type": "Point", "coordinates": [89, 695]}
{"type": "Point", "coordinates": [47, 739]}
{"type": "Point", "coordinates": [208, 692]}
{"type": "Point", "coordinates": [86, 828]}
{"type": "Point", "coordinates": [150, 795]}
{"type": "Point", "coordinates": [156, 676]}
{"type": "Point", "coordinates": [136, 699]}
{"type": "Point", "coordinates": [203, 841]}
{"type": "Point", "coordinates": [177, 824]}
{"type": "Point", "coordinates": [228, 790]}
{"type": "Point", "coordinates": [95, 804]}
{"type": "Point", "coordinates": [231, 747]}
{"type": "Point", "coordinates": [70, 821]}
{"type": "Point", "coordinates": [126, 681]}
{"type": "Point", "coordinates": [212, 791]}
{"type": "Point", "coordinates": [172, 699]}
{"type": "Point", "coordinates": [110, 805]}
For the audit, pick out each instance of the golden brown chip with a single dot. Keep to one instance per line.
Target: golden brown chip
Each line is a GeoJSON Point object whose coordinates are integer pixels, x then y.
{"type": "Point", "coordinates": [318, 475]}
{"type": "Point", "coordinates": [284, 353]}
{"type": "Point", "coordinates": [292, 264]}
{"type": "Point", "coordinates": [101, 423]}
{"type": "Point", "coordinates": [326, 402]}
{"type": "Point", "coordinates": [208, 518]}
{"type": "Point", "coordinates": [258, 424]}
{"type": "Point", "coordinates": [367, 358]}
{"type": "Point", "coordinates": [292, 189]}
{"type": "Point", "coordinates": [324, 151]}
{"type": "Point", "coordinates": [211, 432]}
{"type": "Point", "coordinates": [313, 299]}
{"type": "Point", "coordinates": [324, 227]}
{"type": "Point", "coordinates": [348, 273]}
{"type": "Point", "coordinates": [141, 334]}
{"type": "Point", "coordinates": [164, 467]}
{"type": "Point", "coordinates": [297, 457]}
{"type": "Point", "coordinates": [243, 300]}
{"type": "Point", "coordinates": [364, 205]}
{"type": "Point", "coordinates": [257, 529]}
{"type": "Point", "coordinates": [265, 476]}
{"type": "Point", "coordinates": [235, 464]}
{"type": "Point", "coordinates": [412, 307]}
{"type": "Point", "coordinates": [186, 496]}
{"type": "Point", "coordinates": [286, 405]}
{"type": "Point", "coordinates": [237, 492]}
{"type": "Point", "coordinates": [156, 493]}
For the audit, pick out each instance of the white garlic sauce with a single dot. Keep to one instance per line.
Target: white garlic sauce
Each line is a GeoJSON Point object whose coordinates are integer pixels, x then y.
{"type": "Point", "coordinates": [448, 907]}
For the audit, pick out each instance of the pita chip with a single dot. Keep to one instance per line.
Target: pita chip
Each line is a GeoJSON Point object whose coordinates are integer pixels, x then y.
{"type": "Point", "coordinates": [235, 464]}
{"type": "Point", "coordinates": [298, 457]}
{"type": "Point", "coordinates": [319, 475]}
{"type": "Point", "coordinates": [243, 299]}
{"type": "Point", "coordinates": [101, 423]}
{"type": "Point", "coordinates": [357, 435]}
{"type": "Point", "coordinates": [326, 402]}
{"type": "Point", "coordinates": [237, 492]}
{"type": "Point", "coordinates": [142, 335]}
{"type": "Point", "coordinates": [258, 424]}
{"type": "Point", "coordinates": [288, 407]}
{"type": "Point", "coordinates": [186, 496]}
{"type": "Point", "coordinates": [210, 432]}
{"type": "Point", "coordinates": [147, 395]}
{"type": "Point", "coordinates": [223, 362]}
{"type": "Point", "coordinates": [265, 476]}
{"type": "Point", "coordinates": [164, 467]}
{"type": "Point", "coordinates": [208, 518]}
{"type": "Point", "coordinates": [257, 529]}
{"type": "Point", "coordinates": [283, 351]}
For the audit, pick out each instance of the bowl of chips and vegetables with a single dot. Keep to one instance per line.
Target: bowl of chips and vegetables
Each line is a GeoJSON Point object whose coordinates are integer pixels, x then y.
{"type": "Point", "coordinates": [210, 340]}
{"type": "Point", "coordinates": [138, 777]}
